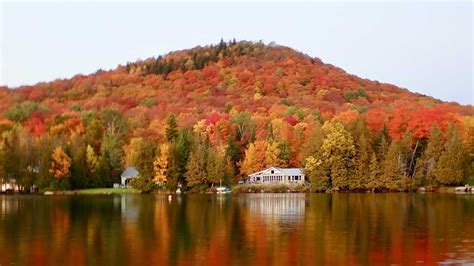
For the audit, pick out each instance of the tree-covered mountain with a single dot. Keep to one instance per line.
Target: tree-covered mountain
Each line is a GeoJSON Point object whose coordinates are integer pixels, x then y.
{"type": "Point", "coordinates": [211, 113]}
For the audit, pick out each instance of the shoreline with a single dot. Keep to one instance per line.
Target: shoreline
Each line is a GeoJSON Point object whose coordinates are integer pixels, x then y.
{"type": "Point", "coordinates": [239, 189]}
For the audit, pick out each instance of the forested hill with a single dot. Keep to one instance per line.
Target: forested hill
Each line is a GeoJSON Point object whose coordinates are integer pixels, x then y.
{"type": "Point", "coordinates": [238, 96]}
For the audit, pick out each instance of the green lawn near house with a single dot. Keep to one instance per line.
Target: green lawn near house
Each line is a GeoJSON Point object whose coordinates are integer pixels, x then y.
{"type": "Point", "coordinates": [92, 191]}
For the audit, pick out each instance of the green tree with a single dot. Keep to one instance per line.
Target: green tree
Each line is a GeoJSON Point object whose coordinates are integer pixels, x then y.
{"type": "Point", "coordinates": [80, 173]}
{"type": "Point", "coordinates": [450, 167]}
{"type": "Point", "coordinates": [470, 153]}
{"type": "Point", "coordinates": [171, 128]}
{"type": "Point", "coordinates": [179, 159]}
{"type": "Point", "coordinates": [111, 155]}
{"type": "Point", "coordinates": [363, 158]}
{"type": "Point", "coordinates": [245, 127]}
{"type": "Point", "coordinates": [363, 154]}
{"type": "Point", "coordinates": [216, 167]}
{"type": "Point", "coordinates": [316, 172]}
{"type": "Point", "coordinates": [145, 158]}
{"type": "Point", "coordinates": [233, 152]}
{"type": "Point", "coordinates": [392, 176]}
{"type": "Point", "coordinates": [20, 157]}
{"type": "Point", "coordinates": [112, 118]}
{"type": "Point", "coordinates": [427, 163]}
{"type": "Point", "coordinates": [22, 111]}
{"type": "Point", "coordinates": [374, 181]}
{"type": "Point", "coordinates": [196, 168]}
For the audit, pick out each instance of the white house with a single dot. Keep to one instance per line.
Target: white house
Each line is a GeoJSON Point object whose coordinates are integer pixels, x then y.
{"type": "Point", "coordinates": [7, 185]}
{"type": "Point", "coordinates": [128, 175]}
{"type": "Point", "coordinates": [278, 175]}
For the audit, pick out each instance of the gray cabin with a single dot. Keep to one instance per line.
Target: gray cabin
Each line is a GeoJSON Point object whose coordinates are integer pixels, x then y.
{"type": "Point", "coordinates": [128, 175]}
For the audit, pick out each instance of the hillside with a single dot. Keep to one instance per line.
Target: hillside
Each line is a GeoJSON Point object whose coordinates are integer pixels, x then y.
{"type": "Point", "coordinates": [243, 76]}
{"type": "Point", "coordinates": [244, 90]}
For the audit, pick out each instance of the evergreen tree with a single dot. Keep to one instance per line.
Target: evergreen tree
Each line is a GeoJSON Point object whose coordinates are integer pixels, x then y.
{"type": "Point", "coordinates": [171, 128]}
{"type": "Point", "coordinates": [179, 159]}
{"type": "Point", "coordinates": [233, 153]}
{"type": "Point", "coordinates": [216, 167]}
{"type": "Point", "coordinates": [392, 175]}
{"type": "Point", "coordinates": [450, 167]}
{"type": "Point", "coordinates": [470, 153]}
{"type": "Point", "coordinates": [80, 173]}
{"type": "Point", "coordinates": [363, 159]}
{"type": "Point", "coordinates": [427, 163]}
{"type": "Point", "coordinates": [374, 182]}
{"type": "Point", "coordinates": [146, 156]}
{"type": "Point", "coordinates": [196, 168]}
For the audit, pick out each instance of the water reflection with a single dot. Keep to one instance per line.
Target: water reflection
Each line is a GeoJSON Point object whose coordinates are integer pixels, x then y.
{"type": "Point", "coordinates": [285, 209]}
{"type": "Point", "coordinates": [278, 229]}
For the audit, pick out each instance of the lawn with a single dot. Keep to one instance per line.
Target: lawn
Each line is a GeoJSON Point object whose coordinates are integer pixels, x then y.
{"type": "Point", "coordinates": [91, 191]}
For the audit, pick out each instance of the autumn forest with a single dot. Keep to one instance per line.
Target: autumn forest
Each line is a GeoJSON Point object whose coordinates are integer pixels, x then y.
{"type": "Point", "coordinates": [216, 113]}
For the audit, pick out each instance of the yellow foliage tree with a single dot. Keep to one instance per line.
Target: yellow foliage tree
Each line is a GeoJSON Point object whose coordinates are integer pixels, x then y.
{"type": "Point", "coordinates": [272, 155]}
{"type": "Point", "coordinates": [92, 159]}
{"type": "Point", "coordinates": [161, 163]}
{"type": "Point", "coordinates": [254, 159]}
{"type": "Point", "coordinates": [60, 163]}
{"type": "Point", "coordinates": [337, 154]}
{"type": "Point", "coordinates": [132, 151]}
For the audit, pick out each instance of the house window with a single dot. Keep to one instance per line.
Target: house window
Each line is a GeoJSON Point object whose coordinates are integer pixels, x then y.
{"type": "Point", "coordinates": [273, 171]}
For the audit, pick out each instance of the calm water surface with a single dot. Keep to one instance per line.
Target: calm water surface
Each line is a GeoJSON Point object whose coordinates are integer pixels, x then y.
{"type": "Point", "coordinates": [258, 229]}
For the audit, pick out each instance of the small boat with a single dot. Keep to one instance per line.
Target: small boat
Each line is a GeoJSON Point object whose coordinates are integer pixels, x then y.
{"type": "Point", "coordinates": [465, 189]}
{"type": "Point", "coordinates": [222, 189]}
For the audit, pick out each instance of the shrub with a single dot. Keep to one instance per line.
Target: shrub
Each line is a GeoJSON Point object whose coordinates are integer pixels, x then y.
{"type": "Point", "coordinates": [142, 184]}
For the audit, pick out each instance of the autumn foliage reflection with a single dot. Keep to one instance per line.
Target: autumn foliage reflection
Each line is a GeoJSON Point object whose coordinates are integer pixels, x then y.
{"type": "Point", "coordinates": [339, 229]}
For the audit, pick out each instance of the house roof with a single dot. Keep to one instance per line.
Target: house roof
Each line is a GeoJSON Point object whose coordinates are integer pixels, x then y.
{"type": "Point", "coordinates": [130, 172]}
{"type": "Point", "coordinates": [285, 171]}
{"type": "Point", "coordinates": [290, 171]}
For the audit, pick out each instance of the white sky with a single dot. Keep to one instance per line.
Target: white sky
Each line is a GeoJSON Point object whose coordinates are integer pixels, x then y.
{"type": "Point", "coordinates": [426, 47]}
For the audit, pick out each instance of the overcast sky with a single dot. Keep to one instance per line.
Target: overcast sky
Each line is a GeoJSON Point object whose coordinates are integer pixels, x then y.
{"type": "Point", "coordinates": [425, 47]}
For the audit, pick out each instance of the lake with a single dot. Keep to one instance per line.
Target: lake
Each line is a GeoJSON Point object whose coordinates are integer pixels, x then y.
{"type": "Point", "coordinates": [247, 229]}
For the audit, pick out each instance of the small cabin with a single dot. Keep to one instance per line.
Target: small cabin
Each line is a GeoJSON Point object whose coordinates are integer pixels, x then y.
{"type": "Point", "coordinates": [127, 175]}
{"type": "Point", "coordinates": [277, 175]}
